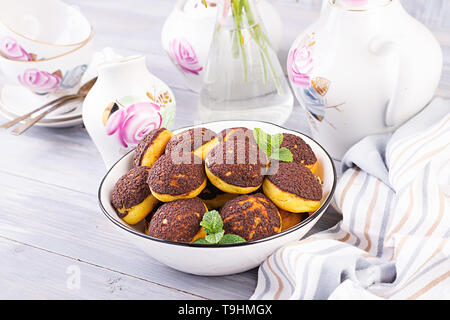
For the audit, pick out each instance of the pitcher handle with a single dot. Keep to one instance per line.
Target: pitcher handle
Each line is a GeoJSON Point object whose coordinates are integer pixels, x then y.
{"type": "Point", "coordinates": [383, 46]}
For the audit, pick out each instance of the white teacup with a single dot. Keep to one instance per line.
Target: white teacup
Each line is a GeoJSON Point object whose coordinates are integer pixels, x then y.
{"type": "Point", "coordinates": [57, 75]}
{"type": "Point", "coordinates": [34, 30]}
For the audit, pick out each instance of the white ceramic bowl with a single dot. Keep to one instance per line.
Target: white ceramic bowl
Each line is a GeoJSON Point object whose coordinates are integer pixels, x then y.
{"type": "Point", "coordinates": [44, 28]}
{"type": "Point", "coordinates": [212, 260]}
{"type": "Point", "coordinates": [60, 74]}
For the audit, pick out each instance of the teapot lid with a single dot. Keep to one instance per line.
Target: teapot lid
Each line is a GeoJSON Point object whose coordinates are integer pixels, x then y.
{"type": "Point", "coordinates": [360, 5]}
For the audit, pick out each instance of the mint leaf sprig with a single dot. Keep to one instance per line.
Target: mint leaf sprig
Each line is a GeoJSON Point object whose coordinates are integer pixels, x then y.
{"type": "Point", "coordinates": [270, 145]}
{"type": "Point", "coordinates": [213, 225]}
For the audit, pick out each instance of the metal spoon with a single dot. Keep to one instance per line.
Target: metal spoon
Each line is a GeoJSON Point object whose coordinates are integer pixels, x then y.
{"type": "Point", "coordinates": [81, 94]}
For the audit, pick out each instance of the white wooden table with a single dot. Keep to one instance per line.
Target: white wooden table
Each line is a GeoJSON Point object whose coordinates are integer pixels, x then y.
{"type": "Point", "coordinates": [54, 241]}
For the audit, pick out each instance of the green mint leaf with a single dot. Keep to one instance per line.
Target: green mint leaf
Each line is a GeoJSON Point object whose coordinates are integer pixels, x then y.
{"type": "Point", "coordinates": [214, 238]}
{"type": "Point", "coordinates": [213, 226]}
{"type": "Point", "coordinates": [276, 140]}
{"type": "Point", "coordinates": [231, 238]}
{"type": "Point", "coordinates": [283, 154]}
{"type": "Point", "coordinates": [266, 142]}
{"type": "Point", "coordinates": [263, 140]}
{"type": "Point", "coordinates": [201, 241]}
{"type": "Point", "coordinates": [212, 222]}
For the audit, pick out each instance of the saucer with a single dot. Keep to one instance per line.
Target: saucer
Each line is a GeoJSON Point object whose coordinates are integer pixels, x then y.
{"type": "Point", "coordinates": [71, 122]}
{"type": "Point", "coordinates": [17, 100]}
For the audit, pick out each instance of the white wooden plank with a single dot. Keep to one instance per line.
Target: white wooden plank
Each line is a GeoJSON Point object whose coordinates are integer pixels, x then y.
{"type": "Point", "coordinates": [40, 215]}
{"type": "Point", "coordinates": [52, 276]}
{"type": "Point", "coordinates": [70, 223]}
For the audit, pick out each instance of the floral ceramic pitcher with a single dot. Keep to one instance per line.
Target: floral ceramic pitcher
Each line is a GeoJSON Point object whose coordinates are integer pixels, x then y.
{"type": "Point", "coordinates": [125, 104]}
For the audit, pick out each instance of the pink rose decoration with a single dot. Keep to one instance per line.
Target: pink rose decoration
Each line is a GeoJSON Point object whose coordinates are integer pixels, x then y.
{"type": "Point", "coordinates": [184, 56]}
{"type": "Point", "coordinates": [133, 123]}
{"type": "Point", "coordinates": [300, 66]}
{"type": "Point", "coordinates": [356, 3]}
{"type": "Point", "coordinates": [12, 50]}
{"type": "Point", "coordinates": [39, 81]}
{"type": "Point", "coordinates": [115, 121]}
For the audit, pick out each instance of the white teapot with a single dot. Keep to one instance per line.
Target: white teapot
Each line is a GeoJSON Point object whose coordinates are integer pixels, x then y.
{"type": "Point", "coordinates": [188, 30]}
{"type": "Point", "coordinates": [364, 67]}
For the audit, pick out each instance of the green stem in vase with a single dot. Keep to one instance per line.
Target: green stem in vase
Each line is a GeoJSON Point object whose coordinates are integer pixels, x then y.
{"type": "Point", "coordinates": [264, 67]}
{"type": "Point", "coordinates": [272, 70]}
{"type": "Point", "coordinates": [241, 10]}
{"type": "Point", "coordinates": [262, 40]}
{"type": "Point", "coordinates": [236, 9]}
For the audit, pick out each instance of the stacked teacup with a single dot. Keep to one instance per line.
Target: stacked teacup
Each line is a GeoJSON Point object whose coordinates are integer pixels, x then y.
{"type": "Point", "coordinates": [45, 48]}
{"type": "Point", "coordinates": [44, 45]}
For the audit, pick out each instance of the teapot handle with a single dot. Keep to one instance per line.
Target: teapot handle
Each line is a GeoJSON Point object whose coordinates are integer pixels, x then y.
{"type": "Point", "coordinates": [384, 46]}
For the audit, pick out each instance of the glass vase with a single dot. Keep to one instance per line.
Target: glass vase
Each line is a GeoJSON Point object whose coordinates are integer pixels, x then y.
{"type": "Point", "coordinates": [243, 76]}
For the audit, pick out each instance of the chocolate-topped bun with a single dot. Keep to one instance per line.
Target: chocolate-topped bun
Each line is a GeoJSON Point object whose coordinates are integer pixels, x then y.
{"type": "Point", "coordinates": [235, 133]}
{"type": "Point", "coordinates": [301, 151]}
{"type": "Point", "coordinates": [131, 196]}
{"type": "Point", "coordinates": [151, 147]}
{"type": "Point", "coordinates": [213, 197]}
{"type": "Point", "coordinates": [291, 219]}
{"type": "Point", "coordinates": [172, 177]}
{"type": "Point", "coordinates": [236, 166]}
{"type": "Point", "coordinates": [293, 188]}
{"type": "Point", "coordinates": [177, 220]}
{"type": "Point", "coordinates": [251, 216]}
{"type": "Point", "coordinates": [198, 140]}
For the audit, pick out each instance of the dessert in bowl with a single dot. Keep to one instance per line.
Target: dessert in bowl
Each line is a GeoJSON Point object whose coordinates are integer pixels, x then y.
{"type": "Point", "coordinates": [34, 30]}
{"type": "Point", "coordinates": [175, 231]}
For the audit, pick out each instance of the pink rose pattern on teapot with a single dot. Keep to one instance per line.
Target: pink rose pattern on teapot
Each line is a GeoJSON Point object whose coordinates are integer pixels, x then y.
{"type": "Point", "coordinates": [184, 56]}
{"type": "Point", "coordinates": [301, 65]}
{"type": "Point", "coordinates": [310, 90]}
{"type": "Point", "coordinates": [355, 3]}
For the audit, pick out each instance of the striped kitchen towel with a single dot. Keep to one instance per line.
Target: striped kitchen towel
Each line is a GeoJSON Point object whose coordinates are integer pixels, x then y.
{"type": "Point", "coordinates": [393, 239]}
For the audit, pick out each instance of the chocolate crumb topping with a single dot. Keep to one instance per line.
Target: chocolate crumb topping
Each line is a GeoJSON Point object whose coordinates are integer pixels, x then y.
{"type": "Point", "coordinates": [235, 133]}
{"type": "Point", "coordinates": [190, 140]}
{"type": "Point", "coordinates": [170, 176]}
{"type": "Point", "coordinates": [252, 217]}
{"type": "Point", "coordinates": [295, 178]}
{"type": "Point", "coordinates": [177, 220]}
{"type": "Point", "coordinates": [131, 189]}
{"type": "Point", "coordinates": [238, 163]}
{"type": "Point", "coordinates": [300, 150]}
{"type": "Point", "coordinates": [144, 144]}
